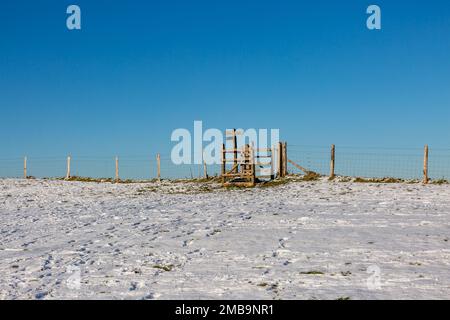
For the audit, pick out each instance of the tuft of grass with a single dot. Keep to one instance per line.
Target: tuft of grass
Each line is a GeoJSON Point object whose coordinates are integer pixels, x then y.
{"type": "Point", "coordinates": [439, 181]}
{"type": "Point", "coordinates": [262, 284]}
{"type": "Point", "coordinates": [413, 181]}
{"type": "Point", "coordinates": [209, 179]}
{"type": "Point", "coordinates": [312, 272]}
{"type": "Point", "coordinates": [311, 176]}
{"type": "Point", "coordinates": [204, 189]}
{"type": "Point", "coordinates": [126, 181]}
{"type": "Point", "coordinates": [274, 183]}
{"type": "Point", "coordinates": [102, 180]}
{"type": "Point", "coordinates": [168, 267]}
{"type": "Point", "coordinates": [88, 179]}
{"type": "Point", "coordinates": [378, 180]}
{"type": "Point", "coordinates": [236, 187]}
{"type": "Point", "coordinates": [343, 298]}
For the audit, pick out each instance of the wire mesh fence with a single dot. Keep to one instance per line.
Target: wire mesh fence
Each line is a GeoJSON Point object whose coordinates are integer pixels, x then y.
{"type": "Point", "coordinates": [439, 164]}
{"type": "Point", "coordinates": [129, 168]}
{"type": "Point", "coordinates": [401, 163]}
{"type": "Point", "coordinates": [11, 167]}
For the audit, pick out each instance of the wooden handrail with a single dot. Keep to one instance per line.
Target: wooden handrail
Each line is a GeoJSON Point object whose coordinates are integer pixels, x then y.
{"type": "Point", "coordinates": [298, 166]}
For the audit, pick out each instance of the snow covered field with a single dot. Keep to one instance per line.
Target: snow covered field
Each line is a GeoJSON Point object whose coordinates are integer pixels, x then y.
{"type": "Point", "coordinates": [302, 240]}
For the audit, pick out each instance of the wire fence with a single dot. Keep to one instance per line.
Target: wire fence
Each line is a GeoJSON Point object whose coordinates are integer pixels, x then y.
{"type": "Point", "coordinates": [129, 168]}
{"type": "Point", "coordinates": [401, 163]}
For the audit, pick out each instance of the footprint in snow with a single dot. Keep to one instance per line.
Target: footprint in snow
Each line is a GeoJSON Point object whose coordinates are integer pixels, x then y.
{"type": "Point", "coordinates": [133, 286]}
{"type": "Point", "coordinates": [40, 295]}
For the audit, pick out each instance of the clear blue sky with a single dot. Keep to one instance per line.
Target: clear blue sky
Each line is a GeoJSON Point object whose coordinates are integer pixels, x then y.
{"type": "Point", "coordinates": [139, 69]}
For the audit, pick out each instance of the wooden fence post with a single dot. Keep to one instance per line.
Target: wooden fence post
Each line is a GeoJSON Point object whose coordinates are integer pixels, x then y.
{"type": "Point", "coordinates": [252, 163]}
{"type": "Point", "coordinates": [235, 153]}
{"type": "Point", "coordinates": [117, 169]}
{"type": "Point", "coordinates": [272, 162]}
{"type": "Point", "coordinates": [333, 154]}
{"type": "Point", "coordinates": [205, 170]}
{"type": "Point", "coordinates": [68, 168]}
{"type": "Point", "coordinates": [224, 157]}
{"type": "Point", "coordinates": [25, 174]}
{"type": "Point", "coordinates": [280, 159]}
{"type": "Point", "coordinates": [425, 165]}
{"type": "Point", "coordinates": [158, 165]}
{"type": "Point", "coordinates": [285, 158]}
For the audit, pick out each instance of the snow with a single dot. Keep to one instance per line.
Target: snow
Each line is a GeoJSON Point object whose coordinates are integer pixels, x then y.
{"type": "Point", "coordinates": [302, 240]}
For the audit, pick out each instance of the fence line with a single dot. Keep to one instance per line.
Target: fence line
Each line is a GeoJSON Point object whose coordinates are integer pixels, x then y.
{"type": "Point", "coordinates": [402, 163]}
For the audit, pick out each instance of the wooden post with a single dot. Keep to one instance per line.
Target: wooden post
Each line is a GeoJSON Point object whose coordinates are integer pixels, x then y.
{"type": "Point", "coordinates": [425, 165]}
{"type": "Point", "coordinates": [235, 154]}
{"type": "Point", "coordinates": [68, 168]}
{"type": "Point", "coordinates": [252, 163]}
{"type": "Point", "coordinates": [25, 175]}
{"type": "Point", "coordinates": [117, 169]}
{"type": "Point", "coordinates": [280, 160]}
{"type": "Point", "coordinates": [272, 162]}
{"type": "Point", "coordinates": [158, 165]}
{"type": "Point", "coordinates": [224, 157]}
{"type": "Point", "coordinates": [205, 170]}
{"type": "Point", "coordinates": [285, 158]}
{"type": "Point", "coordinates": [333, 154]}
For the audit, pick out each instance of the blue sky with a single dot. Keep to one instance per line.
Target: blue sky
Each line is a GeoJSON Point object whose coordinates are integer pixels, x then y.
{"type": "Point", "coordinates": [139, 69]}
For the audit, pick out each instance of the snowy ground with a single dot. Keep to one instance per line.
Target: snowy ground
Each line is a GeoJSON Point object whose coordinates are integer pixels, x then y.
{"type": "Point", "coordinates": [303, 240]}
